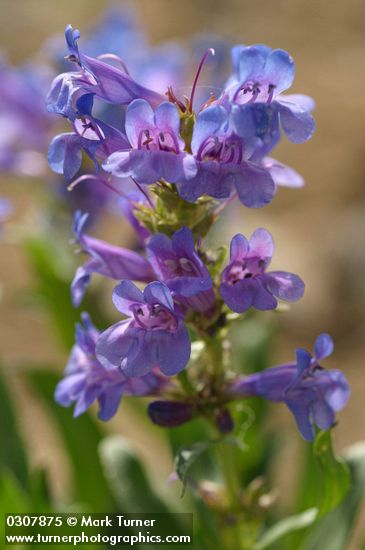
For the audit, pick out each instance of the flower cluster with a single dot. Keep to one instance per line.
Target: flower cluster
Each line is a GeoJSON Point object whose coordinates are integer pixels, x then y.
{"type": "Point", "coordinates": [187, 160]}
{"type": "Point", "coordinates": [219, 151]}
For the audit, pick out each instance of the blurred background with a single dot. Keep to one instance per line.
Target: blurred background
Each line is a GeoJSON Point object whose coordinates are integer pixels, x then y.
{"type": "Point", "coordinates": [318, 230]}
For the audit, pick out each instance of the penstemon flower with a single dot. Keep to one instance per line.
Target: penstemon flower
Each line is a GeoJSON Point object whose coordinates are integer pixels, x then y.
{"type": "Point", "coordinates": [111, 261]}
{"type": "Point", "coordinates": [245, 282]}
{"type": "Point", "coordinates": [154, 336]}
{"type": "Point", "coordinates": [312, 394]}
{"type": "Point", "coordinates": [223, 165]}
{"type": "Point", "coordinates": [86, 380]}
{"type": "Point", "coordinates": [155, 150]}
{"type": "Point", "coordinates": [260, 75]}
{"type": "Point", "coordinates": [177, 263]}
{"type": "Point", "coordinates": [221, 152]}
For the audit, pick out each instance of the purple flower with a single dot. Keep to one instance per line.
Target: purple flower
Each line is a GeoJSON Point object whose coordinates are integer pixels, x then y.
{"type": "Point", "coordinates": [176, 263]}
{"type": "Point", "coordinates": [312, 394]}
{"type": "Point", "coordinates": [245, 282]}
{"type": "Point", "coordinates": [155, 150]}
{"type": "Point", "coordinates": [260, 76]}
{"type": "Point", "coordinates": [222, 164]}
{"type": "Point", "coordinates": [154, 336]}
{"type": "Point", "coordinates": [106, 82]}
{"type": "Point", "coordinates": [86, 380]}
{"type": "Point", "coordinates": [108, 260]}
{"type": "Point", "coordinates": [170, 413]}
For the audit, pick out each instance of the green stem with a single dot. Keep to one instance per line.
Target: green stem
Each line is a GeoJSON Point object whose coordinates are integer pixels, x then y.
{"type": "Point", "coordinates": [185, 383]}
{"type": "Point", "coordinates": [233, 532]}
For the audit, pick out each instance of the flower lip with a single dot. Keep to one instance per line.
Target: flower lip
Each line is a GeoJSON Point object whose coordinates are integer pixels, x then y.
{"type": "Point", "coordinates": [250, 91]}
{"type": "Point", "coordinates": [88, 129]}
{"type": "Point", "coordinates": [157, 140]}
{"type": "Point", "coordinates": [222, 149]}
{"type": "Point", "coordinates": [154, 317]}
{"type": "Point", "coordinates": [247, 269]}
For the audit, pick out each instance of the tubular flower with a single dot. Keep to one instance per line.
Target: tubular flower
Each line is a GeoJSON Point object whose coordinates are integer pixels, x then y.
{"type": "Point", "coordinates": [311, 393]}
{"type": "Point", "coordinates": [111, 261]}
{"type": "Point", "coordinates": [155, 150]}
{"type": "Point", "coordinates": [260, 75]}
{"type": "Point", "coordinates": [245, 282]}
{"type": "Point", "coordinates": [86, 380]}
{"type": "Point", "coordinates": [223, 164]}
{"type": "Point", "coordinates": [106, 82]}
{"type": "Point", "coordinates": [176, 263]}
{"type": "Point", "coordinates": [154, 336]}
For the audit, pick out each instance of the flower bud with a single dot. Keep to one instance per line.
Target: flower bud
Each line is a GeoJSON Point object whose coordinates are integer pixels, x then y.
{"type": "Point", "coordinates": [170, 413]}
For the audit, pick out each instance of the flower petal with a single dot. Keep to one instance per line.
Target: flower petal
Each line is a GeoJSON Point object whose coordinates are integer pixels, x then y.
{"type": "Point", "coordinates": [139, 117]}
{"type": "Point", "coordinates": [282, 174]}
{"type": "Point", "coordinates": [239, 248]}
{"type": "Point", "coordinates": [303, 360]}
{"type": "Point", "coordinates": [169, 351]}
{"type": "Point", "coordinates": [125, 295]}
{"type": "Point", "coordinates": [297, 124]}
{"type": "Point", "coordinates": [167, 118]}
{"type": "Point", "coordinates": [285, 286]}
{"type": "Point", "coordinates": [323, 346]}
{"type": "Point", "coordinates": [323, 415]}
{"type": "Point", "coordinates": [208, 123]}
{"type": "Point", "coordinates": [254, 185]}
{"type": "Point", "coordinates": [109, 401]}
{"type": "Point", "coordinates": [279, 70]}
{"type": "Point", "coordinates": [302, 418]}
{"type": "Point", "coordinates": [158, 293]}
{"type": "Point", "coordinates": [305, 102]}
{"type": "Point", "coordinates": [261, 244]}
{"type": "Point", "coordinates": [124, 346]}
{"type": "Point", "coordinates": [65, 155]}
{"type": "Point", "coordinates": [238, 297]}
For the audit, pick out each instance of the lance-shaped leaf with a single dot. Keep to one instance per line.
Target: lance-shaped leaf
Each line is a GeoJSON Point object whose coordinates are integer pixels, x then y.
{"type": "Point", "coordinates": [336, 478]}
{"type": "Point", "coordinates": [286, 526]}
{"type": "Point", "coordinates": [12, 453]}
{"type": "Point", "coordinates": [131, 487]}
{"type": "Point", "coordinates": [335, 529]}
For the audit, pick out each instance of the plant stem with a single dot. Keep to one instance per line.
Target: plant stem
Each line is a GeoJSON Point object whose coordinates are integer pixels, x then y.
{"type": "Point", "coordinates": [233, 531]}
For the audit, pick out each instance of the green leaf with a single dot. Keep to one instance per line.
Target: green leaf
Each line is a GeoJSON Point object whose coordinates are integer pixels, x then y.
{"type": "Point", "coordinates": [131, 487]}
{"type": "Point", "coordinates": [286, 526]}
{"type": "Point", "coordinates": [336, 479]}
{"type": "Point", "coordinates": [81, 437]}
{"type": "Point", "coordinates": [12, 453]}
{"type": "Point", "coordinates": [334, 530]}
{"type": "Point", "coordinates": [13, 498]}
{"type": "Point", "coordinates": [53, 288]}
{"type": "Point", "coordinates": [127, 478]}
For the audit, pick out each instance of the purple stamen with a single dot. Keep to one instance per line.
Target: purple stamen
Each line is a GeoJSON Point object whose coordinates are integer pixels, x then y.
{"type": "Point", "coordinates": [271, 89]}
{"type": "Point", "coordinates": [208, 51]}
{"type": "Point", "coordinates": [85, 177]}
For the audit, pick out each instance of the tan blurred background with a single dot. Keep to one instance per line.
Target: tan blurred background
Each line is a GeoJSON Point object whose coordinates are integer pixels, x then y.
{"type": "Point", "coordinates": [319, 230]}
